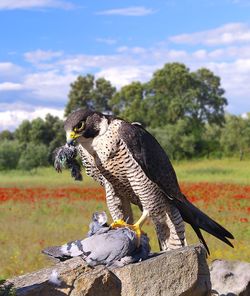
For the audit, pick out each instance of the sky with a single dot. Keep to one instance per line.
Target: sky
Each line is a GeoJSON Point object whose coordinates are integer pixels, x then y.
{"type": "Point", "coordinates": [46, 44]}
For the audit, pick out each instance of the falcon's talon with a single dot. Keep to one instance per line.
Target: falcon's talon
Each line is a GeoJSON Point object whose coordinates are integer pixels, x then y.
{"type": "Point", "coordinates": [135, 227]}
{"type": "Point", "coordinates": [118, 224]}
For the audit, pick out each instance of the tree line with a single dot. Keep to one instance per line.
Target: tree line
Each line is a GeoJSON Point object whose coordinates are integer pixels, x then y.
{"type": "Point", "coordinates": [184, 110]}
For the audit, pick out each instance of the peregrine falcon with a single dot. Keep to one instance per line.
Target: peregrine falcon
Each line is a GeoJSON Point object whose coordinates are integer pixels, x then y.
{"type": "Point", "coordinates": [133, 168]}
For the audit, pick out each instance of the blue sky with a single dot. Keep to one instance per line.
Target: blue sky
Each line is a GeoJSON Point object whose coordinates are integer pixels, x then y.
{"type": "Point", "coordinates": [46, 44]}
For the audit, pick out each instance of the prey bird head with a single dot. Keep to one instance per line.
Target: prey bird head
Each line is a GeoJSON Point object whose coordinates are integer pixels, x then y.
{"type": "Point", "coordinates": [99, 221]}
{"type": "Point", "coordinates": [85, 124]}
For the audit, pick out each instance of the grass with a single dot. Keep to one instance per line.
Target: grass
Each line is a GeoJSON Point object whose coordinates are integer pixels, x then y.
{"type": "Point", "coordinates": [41, 177]}
{"type": "Point", "coordinates": [41, 209]}
{"type": "Point", "coordinates": [220, 170]}
{"type": "Point", "coordinates": [225, 170]}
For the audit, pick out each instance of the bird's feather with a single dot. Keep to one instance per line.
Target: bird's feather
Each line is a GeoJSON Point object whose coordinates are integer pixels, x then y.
{"type": "Point", "coordinates": [156, 165]}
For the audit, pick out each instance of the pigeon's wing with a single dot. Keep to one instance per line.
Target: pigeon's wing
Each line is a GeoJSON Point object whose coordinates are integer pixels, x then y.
{"type": "Point", "coordinates": [56, 252]}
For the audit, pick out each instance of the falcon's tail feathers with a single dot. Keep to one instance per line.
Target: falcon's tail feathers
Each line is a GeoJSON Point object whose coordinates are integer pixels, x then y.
{"type": "Point", "coordinates": [197, 219]}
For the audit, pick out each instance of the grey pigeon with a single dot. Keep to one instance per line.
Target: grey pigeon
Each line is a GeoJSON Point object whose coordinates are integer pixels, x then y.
{"type": "Point", "coordinates": [104, 245]}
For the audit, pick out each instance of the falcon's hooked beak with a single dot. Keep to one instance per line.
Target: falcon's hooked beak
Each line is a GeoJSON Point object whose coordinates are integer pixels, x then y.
{"type": "Point", "coordinates": [71, 136]}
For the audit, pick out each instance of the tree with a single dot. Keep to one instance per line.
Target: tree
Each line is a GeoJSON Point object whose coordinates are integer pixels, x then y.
{"type": "Point", "coordinates": [177, 139]}
{"type": "Point", "coordinates": [208, 102]}
{"type": "Point", "coordinates": [235, 138]}
{"type": "Point", "coordinates": [56, 132]}
{"type": "Point", "coordinates": [22, 133]}
{"type": "Point", "coordinates": [174, 93]}
{"type": "Point", "coordinates": [9, 154]}
{"type": "Point", "coordinates": [39, 132]}
{"type": "Point", "coordinates": [211, 141]}
{"type": "Point", "coordinates": [128, 103]}
{"type": "Point", "coordinates": [89, 93]}
{"type": "Point", "coordinates": [102, 94]}
{"type": "Point", "coordinates": [167, 94]}
{"type": "Point", "coordinates": [6, 135]}
{"type": "Point", "coordinates": [35, 155]}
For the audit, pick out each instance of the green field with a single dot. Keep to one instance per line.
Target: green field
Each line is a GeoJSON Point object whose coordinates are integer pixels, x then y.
{"type": "Point", "coordinates": [226, 170]}
{"type": "Point", "coordinates": [56, 211]}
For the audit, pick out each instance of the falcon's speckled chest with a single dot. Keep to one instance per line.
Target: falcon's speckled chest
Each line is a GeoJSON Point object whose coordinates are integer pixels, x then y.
{"type": "Point", "coordinates": [106, 145]}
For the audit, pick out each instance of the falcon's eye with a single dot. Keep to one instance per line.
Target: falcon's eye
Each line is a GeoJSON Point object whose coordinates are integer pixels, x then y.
{"type": "Point", "coordinates": [79, 127]}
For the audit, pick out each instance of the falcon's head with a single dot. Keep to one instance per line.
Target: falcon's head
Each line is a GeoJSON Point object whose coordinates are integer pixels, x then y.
{"type": "Point", "coordinates": [83, 125]}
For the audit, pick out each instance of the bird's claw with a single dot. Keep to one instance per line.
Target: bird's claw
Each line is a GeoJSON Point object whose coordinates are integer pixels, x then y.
{"type": "Point", "coordinates": [135, 227]}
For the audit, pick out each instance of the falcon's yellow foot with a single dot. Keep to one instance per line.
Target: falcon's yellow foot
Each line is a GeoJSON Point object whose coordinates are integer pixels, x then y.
{"type": "Point", "coordinates": [135, 227]}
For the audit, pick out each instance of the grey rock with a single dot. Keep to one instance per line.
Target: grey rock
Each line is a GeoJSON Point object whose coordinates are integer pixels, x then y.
{"type": "Point", "coordinates": [179, 272]}
{"type": "Point", "coordinates": [230, 278]}
{"type": "Point", "coordinates": [73, 277]}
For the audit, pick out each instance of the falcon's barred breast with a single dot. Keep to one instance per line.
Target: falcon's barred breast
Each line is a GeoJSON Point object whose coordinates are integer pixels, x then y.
{"type": "Point", "coordinates": [133, 168]}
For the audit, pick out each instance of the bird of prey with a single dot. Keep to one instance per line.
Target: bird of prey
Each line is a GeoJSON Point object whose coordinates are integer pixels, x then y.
{"type": "Point", "coordinates": [133, 168]}
{"type": "Point", "coordinates": [104, 245]}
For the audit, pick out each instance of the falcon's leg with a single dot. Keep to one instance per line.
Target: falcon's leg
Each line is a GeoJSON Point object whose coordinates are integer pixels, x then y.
{"type": "Point", "coordinates": [170, 229]}
{"type": "Point", "coordinates": [119, 208]}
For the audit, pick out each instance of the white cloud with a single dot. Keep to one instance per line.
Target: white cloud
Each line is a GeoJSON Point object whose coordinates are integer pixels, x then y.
{"type": "Point", "coordinates": [235, 77]}
{"type": "Point", "coordinates": [200, 54]}
{"type": "Point", "coordinates": [13, 114]}
{"type": "Point", "coordinates": [121, 76]}
{"type": "Point", "coordinates": [226, 34]}
{"type": "Point", "coordinates": [84, 63]}
{"type": "Point", "coordinates": [9, 86]}
{"type": "Point", "coordinates": [9, 70]}
{"type": "Point", "coordinates": [27, 4]}
{"type": "Point", "coordinates": [128, 11]}
{"type": "Point", "coordinates": [8, 67]}
{"type": "Point", "coordinates": [49, 85]}
{"type": "Point", "coordinates": [39, 55]}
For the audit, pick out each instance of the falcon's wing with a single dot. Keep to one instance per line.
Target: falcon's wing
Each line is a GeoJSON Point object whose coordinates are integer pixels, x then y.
{"type": "Point", "coordinates": [155, 163]}
{"type": "Point", "coordinates": [151, 157]}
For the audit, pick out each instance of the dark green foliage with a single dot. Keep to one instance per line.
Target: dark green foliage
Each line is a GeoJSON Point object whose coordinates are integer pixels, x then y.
{"type": "Point", "coordinates": [168, 94]}
{"type": "Point", "coordinates": [175, 93]}
{"type": "Point", "coordinates": [235, 136]}
{"type": "Point", "coordinates": [208, 102]}
{"type": "Point", "coordinates": [102, 94]}
{"type": "Point", "coordinates": [9, 154]}
{"type": "Point", "coordinates": [22, 133]}
{"type": "Point", "coordinates": [89, 93]}
{"type": "Point", "coordinates": [33, 145]}
{"type": "Point", "coordinates": [55, 134]}
{"type": "Point", "coordinates": [177, 140]}
{"type": "Point", "coordinates": [6, 135]}
{"type": "Point", "coordinates": [38, 132]}
{"type": "Point", "coordinates": [33, 156]}
{"type": "Point", "coordinates": [129, 103]}
{"type": "Point", "coordinates": [211, 141]}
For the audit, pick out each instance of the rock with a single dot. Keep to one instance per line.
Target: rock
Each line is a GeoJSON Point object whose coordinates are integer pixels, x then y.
{"type": "Point", "coordinates": [179, 272]}
{"type": "Point", "coordinates": [72, 277]}
{"type": "Point", "coordinates": [230, 278]}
